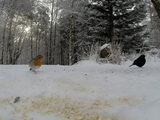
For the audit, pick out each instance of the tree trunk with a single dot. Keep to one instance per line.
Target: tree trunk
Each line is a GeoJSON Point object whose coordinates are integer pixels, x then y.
{"type": "Point", "coordinates": [156, 4]}
{"type": "Point", "coordinates": [38, 36]}
{"type": "Point", "coordinates": [46, 49]}
{"type": "Point", "coordinates": [56, 49]}
{"type": "Point", "coordinates": [111, 27]}
{"type": "Point", "coordinates": [18, 46]}
{"type": "Point", "coordinates": [3, 43]}
{"type": "Point", "coordinates": [9, 44]}
{"type": "Point", "coordinates": [31, 37]}
{"type": "Point", "coordinates": [51, 34]}
{"type": "Point", "coordinates": [71, 35]}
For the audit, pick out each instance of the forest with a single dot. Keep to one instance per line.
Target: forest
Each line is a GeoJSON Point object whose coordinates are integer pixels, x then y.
{"type": "Point", "coordinates": [66, 31]}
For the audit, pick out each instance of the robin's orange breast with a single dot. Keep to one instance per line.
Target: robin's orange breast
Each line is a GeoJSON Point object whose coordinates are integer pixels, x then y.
{"type": "Point", "coordinates": [38, 62]}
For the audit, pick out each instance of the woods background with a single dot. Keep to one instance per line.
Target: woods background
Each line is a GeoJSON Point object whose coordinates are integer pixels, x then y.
{"type": "Point", "coordinates": [64, 31]}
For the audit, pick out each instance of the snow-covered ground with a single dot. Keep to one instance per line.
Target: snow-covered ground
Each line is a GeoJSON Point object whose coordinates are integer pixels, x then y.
{"type": "Point", "coordinates": [85, 91]}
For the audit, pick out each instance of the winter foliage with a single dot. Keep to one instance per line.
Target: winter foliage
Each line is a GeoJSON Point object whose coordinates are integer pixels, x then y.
{"type": "Point", "coordinates": [63, 31]}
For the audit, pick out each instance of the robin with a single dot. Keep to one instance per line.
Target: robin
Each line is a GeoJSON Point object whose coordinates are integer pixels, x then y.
{"type": "Point", "coordinates": [140, 61]}
{"type": "Point", "coordinates": [36, 63]}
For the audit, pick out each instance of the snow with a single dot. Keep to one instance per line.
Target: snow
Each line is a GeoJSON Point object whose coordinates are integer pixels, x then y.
{"type": "Point", "coordinates": [84, 91]}
{"type": "Point", "coordinates": [105, 46]}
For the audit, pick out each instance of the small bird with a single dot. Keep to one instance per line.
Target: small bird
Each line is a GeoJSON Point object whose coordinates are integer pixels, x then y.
{"type": "Point", "coordinates": [36, 63]}
{"type": "Point", "coordinates": [140, 61]}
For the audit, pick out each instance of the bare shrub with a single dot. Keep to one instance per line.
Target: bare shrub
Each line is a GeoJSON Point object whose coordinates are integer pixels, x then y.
{"type": "Point", "coordinates": [91, 52]}
{"type": "Point", "coordinates": [94, 53]}
{"type": "Point", "coordinates": [116, 56]}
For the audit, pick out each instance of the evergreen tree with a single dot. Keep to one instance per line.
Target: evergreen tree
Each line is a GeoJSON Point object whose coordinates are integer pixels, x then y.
{"type": "Point", "coordinates": [120, 21]}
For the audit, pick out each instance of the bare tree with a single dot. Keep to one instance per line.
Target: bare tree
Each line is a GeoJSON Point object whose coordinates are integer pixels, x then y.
{"type": "Point", "coordinates": [56, 48]}
{"type": "Point", "coordinates": [50, 57]}
{"type": "Point", "coordinates": [3, 42]}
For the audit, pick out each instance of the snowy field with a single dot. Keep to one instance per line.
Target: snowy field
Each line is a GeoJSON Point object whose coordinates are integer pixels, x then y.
{"type": "Point", "coordinates": [85, 91]}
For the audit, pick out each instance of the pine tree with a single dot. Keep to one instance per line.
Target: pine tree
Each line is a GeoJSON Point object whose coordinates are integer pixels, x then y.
{"type": "Point", "coordinates": [120, 21]}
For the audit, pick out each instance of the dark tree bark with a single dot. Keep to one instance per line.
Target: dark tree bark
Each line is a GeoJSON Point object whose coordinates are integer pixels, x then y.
{"type": "Point", "coordinates": [111, 27]}
{"type": "Point", "coordinates": [50, 57]}
{"type": "Point", "coordinates": [156, 4]}
{"type": "Point", "coordinates": [31, 38]}
{"type": "Point", "coordinates": [71, 35]}
{"type": "Point", "coordinates": [3, 42]}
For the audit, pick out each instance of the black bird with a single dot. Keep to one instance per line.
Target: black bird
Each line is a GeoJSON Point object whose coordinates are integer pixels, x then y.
{"type": "Point", "coordinates": [140, 61]}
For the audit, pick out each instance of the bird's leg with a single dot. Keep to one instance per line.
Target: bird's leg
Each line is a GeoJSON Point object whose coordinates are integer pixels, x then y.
{"type": "Point", "coordinates": [34, 71]}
